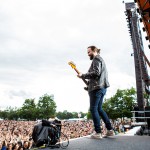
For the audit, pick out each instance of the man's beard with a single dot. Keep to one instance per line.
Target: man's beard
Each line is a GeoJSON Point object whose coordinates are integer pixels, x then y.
{"type": "Point", "coordinates": [91, 57]}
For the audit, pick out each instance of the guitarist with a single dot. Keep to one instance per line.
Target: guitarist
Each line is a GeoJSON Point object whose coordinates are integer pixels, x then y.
{"type": "Point", "coordinates": [97, 87]}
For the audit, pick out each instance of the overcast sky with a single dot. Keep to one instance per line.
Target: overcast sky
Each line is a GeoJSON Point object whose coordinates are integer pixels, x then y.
{"type": "Point", "coordinates": [39, 37]}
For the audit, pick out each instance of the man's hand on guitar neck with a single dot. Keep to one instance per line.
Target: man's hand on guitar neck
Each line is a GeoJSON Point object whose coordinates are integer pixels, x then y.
{"type": "Point", "coordinates": [79, 75]}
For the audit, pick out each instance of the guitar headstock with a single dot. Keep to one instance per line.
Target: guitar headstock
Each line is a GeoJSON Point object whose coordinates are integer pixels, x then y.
{"type": "Point", "coordinates": [72, 64]}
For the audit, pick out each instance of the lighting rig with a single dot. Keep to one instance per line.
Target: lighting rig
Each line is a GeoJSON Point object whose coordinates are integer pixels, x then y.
{"type": "Point", "coordinates": [140, 59]}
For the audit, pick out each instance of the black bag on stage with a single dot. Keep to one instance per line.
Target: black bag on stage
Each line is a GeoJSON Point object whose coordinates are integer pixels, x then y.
{"type": "Point", "coordinates": [46, 132]}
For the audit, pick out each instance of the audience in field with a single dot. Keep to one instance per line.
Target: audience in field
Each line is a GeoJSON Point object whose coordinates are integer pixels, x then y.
{"type": "Point", "coordinates": [15, 135]}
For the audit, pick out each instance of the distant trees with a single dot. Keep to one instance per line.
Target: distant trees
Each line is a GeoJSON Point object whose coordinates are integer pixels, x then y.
{"type": "Point", "coordinates": [44, 109]}
{"type": "Point", "coordinates": [121, 104]}
{"type": "Point", "coordinates": [29, 110]}
{"type": "Point", "coordinates": [67, 115]}
{"type": "Point", "coordinates": [117, 106]}
{"type": "Point", "coordinates": [9, 113]}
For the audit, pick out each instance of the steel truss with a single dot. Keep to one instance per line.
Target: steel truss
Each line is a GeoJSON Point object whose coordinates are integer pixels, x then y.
{"type": "Point", "coordinates": [141, 73]}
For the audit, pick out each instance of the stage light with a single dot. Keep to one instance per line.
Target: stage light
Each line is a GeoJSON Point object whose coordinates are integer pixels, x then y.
{"type": "Point", "coordinates": [143, 29]}
{"type": "Point", "coordinates": [146, 37]}
{"type": "Point", "coordinates": [138, 11]}
{"type": "Point", "coordinates": [140, 19]}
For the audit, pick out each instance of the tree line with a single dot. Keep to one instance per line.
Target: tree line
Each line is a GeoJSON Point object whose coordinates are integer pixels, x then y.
{"type": "Point", "coordinates": [119, 105]}
{"type": "Point", "coordinates": [44, 109]}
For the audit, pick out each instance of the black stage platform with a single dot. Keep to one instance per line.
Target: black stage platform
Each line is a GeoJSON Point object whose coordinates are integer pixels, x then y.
{"type": "Point", "coordinates": [110, 143]}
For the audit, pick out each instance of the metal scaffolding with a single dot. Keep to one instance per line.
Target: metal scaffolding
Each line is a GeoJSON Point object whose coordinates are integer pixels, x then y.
{"type": "Point", "coordinates": [141, 72]}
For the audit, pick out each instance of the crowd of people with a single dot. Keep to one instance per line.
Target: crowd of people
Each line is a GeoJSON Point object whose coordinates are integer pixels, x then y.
{"type": "Point", "coordinates": [16, 135]}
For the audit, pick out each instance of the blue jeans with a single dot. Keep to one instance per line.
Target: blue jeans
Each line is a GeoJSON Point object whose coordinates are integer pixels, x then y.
{"type": "Point", "coordinates": [96, 101]}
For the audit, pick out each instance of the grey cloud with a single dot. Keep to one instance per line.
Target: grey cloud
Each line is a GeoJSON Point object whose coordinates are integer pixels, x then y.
{"type": "Point", "coordinates": [19, 93]}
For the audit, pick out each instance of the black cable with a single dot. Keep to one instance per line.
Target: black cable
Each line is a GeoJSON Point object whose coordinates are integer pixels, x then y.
{"type": "Point", "coordinates": [62, 142]}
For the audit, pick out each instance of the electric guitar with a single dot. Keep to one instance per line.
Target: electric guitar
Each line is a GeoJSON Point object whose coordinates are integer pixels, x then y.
{"type": "Point", "coordinates": [72, 64]}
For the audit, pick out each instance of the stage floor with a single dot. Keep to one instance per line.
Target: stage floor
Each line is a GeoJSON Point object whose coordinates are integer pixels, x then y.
{"type": "Point", "coordinates": [110, 143]}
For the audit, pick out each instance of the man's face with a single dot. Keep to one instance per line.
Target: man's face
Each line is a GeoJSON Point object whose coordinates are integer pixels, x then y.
{"type": "Point", "coordinates": [90, 53]}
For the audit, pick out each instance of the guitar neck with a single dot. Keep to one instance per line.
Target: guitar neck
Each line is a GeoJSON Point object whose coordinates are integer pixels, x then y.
{"type": "Point", "coordinates": [81, 78]}
{"type": "Point", "coordinates": [85, 81]}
